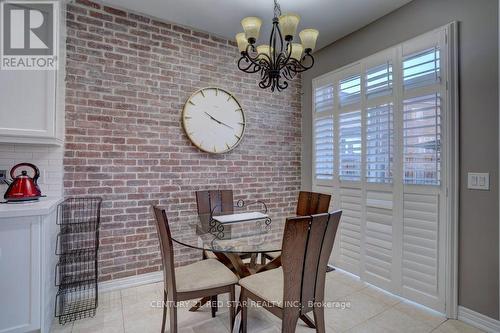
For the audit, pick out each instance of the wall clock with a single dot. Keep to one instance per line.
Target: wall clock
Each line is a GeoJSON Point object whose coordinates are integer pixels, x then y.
{"type": "Point", "coordinates": [214, 120]}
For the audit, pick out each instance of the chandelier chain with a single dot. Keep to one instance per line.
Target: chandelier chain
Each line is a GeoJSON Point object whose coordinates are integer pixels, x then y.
{"type": "Point", "coordinates": [277, 9]}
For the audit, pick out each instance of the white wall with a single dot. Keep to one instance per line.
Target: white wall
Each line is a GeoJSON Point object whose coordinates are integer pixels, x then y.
{"type": "Point", "coordinates": [49, 159]}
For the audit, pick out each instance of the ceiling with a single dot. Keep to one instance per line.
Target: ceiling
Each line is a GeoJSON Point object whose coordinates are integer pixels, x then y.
{"type": "Point", "coordinates": [333, 18]}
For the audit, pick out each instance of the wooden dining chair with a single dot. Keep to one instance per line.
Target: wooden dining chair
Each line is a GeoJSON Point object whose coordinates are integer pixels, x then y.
{"type": "Point", "coordinates": [308, 203]}
{"type": "Point", "coordinates": [204, 278]}
{"type": "Point", "coordinates": [216, 202]}
{"type": "Point", "coordinates": [298, 286]}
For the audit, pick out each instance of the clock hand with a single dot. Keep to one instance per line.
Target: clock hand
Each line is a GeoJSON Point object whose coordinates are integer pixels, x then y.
{"type": "Point", "coordinates": [218, 121]}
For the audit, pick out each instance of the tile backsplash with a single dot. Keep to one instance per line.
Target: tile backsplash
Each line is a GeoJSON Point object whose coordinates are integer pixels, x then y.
{"type": "Point", "coordinates": [49, 159]}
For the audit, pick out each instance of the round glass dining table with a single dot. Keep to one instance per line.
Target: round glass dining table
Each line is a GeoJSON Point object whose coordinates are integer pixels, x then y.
{"type": "Point", "coordinates": [232, 238]}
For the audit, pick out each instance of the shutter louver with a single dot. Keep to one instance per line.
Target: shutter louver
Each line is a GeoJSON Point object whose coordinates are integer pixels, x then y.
{"type": "Point", "coordinates": [350, 146]}
{"type": "Point", "coordinates": [350, 228]}
{"type": "Point", "coordinates": [420, 243]}
{"type": "Point", "coordinates": [379, 144]}
{"type": "Point", "coordinates": [379, 80]}
{"type": "Point", "coordinates": [422, 140]}
{"type": "Point", "coordinates": [350, 90]}
{"type": "Point", "coordinates": [323, 142]}
{"type": "Point", "coordinates": [421, 68]}
{"type": "Point", "coordinates": [378, 236]}
{"type": "Point", "coordinates": [323, 99]}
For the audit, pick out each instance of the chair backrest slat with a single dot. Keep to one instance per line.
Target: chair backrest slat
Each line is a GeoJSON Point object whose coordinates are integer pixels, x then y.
{"type": "Point", "coordinates": [307, 245]}
{"type": "Point", "coordinates": [310, 203]}
{"type": "Point", "coordinates": [167, 250]}
{"type": "Point", "coordinates": [216, 201]}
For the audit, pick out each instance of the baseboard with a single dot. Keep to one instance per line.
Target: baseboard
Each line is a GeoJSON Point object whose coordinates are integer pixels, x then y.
{"type": "Point", "coordinates": [478, 320]}
{"type": "Point", "coordinates": [131, 281]}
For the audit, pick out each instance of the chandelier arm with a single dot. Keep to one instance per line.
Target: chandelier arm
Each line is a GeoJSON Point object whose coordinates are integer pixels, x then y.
{"type": "Point", "coordinates": [284, 60]}
{"type": "Point", "coordinates": [287, 73]}
{"type": "Point", "coordinates": [266, 82]}
{"type": "Point", "coordinates": [281, 86]}
{"type": "Point", "coordinates": [256, 60]}
{"type": "Point", "coordinates": [281, 39]}
{"type": "Point", "coordinates": [298, 67]}
{"type": "Point", "coordinates": [272, 43]}
{"type": "Point", "coordinates": [247, 69]}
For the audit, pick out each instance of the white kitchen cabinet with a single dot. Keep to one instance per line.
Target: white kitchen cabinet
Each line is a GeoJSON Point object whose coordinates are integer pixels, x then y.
{"type": "Point", "coordinates": [27, 266]}
{"type": "Point", "coordinates": [32, 101]}
{"type": "Point", "coordinates": [28, 110]}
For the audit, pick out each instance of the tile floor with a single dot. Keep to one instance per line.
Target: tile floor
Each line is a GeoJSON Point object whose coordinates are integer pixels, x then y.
{"type": "Point", "coordinates": [367, 310]}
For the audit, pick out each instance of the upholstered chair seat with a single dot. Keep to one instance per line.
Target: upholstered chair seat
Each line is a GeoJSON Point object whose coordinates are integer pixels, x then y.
{"type": "Point", "coordinates": [205, 274]}
{"type": "Point", "coordinates": [267, 285]}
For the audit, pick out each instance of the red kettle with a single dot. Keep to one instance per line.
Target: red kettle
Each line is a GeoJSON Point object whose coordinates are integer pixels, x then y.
{"type": "Point", "coordinates": [23, 187]}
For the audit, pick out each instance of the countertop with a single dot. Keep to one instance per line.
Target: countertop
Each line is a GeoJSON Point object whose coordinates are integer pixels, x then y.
{"type": "Point", "coordinates": [43, 206]}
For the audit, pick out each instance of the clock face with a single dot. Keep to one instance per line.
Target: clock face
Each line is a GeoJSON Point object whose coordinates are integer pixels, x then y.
{"type": "Point", "coordinates": [213, 120]}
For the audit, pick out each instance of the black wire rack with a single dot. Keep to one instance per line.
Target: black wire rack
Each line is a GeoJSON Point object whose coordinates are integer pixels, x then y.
{"type": "Point", "coordinates": [77, 247]}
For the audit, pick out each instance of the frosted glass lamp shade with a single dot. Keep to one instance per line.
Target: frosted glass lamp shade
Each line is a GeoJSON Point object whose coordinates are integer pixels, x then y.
{"type": "Point", "coordinates": [242, 42]}
{"type": "Point", "coordinates": [296, 51]}
{"type": "Point", "coordinates": [288, 25]}
{"type": "Point", "coordinates": [251, 25]}
{"type": "Point", "coordinates": [308, 38]}
{"type": "Point", "coordinates": [263, 49]}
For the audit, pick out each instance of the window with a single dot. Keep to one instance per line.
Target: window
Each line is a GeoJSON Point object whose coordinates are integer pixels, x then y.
{"type": "Point", "coordinates": [422, 140]}
{"type": "Point", "coordinates": [350, 146]}
{"type": "Point", "coordinates": [379, 80]}
{"type": "Point", "coordinates": [323, 138]}
{"type": "Point", "coordinates": [379, 144]}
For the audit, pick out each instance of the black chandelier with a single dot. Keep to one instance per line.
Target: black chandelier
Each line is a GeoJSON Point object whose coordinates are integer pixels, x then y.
{"type": "Point", "coordinates": [282, 59]}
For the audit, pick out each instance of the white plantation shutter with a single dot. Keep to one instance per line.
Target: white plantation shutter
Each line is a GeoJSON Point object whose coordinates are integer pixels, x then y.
{"type": "Point", "coordinates": [350, 146]}
{"type": "Point", "coordinates": [422, 140]}
{"type": "Point", "coordinates": [323, 148]}
{"type": "Point", "coordinates": [379, 141]}
{"type": "Point", "coordinates": [379, 144]}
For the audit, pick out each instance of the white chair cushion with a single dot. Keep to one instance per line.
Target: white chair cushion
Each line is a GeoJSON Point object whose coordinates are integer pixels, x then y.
{"type": "Point", "coordinates": [273, 255]}
{"type": "Point", "coordinates": [267, 285]}
{"type": "Point", "coordinates": [205, 274]}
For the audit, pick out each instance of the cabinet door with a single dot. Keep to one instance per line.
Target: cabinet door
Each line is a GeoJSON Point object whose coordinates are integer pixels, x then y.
{"type": "Point", "coordinates": [20, 274]}
{"type": "Point", "coordinates": [28, 103]}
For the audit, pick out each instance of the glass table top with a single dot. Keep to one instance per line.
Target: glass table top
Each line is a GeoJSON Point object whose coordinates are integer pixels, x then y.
{"type": "Point", "coordinates": [241, 233]}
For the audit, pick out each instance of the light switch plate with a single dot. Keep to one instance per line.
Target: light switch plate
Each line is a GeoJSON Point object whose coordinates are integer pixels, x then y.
{"type": "Point", "coordinates": [478, 181]}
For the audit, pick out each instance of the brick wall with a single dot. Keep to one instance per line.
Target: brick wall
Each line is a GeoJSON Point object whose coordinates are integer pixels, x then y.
{"type": "Point", "coordinates": [128, 77]}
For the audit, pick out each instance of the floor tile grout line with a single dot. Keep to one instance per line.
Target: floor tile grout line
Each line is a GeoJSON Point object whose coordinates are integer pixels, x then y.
{"type": "Point", "coordinates": [364, 321]}
{"type": "Point", "coordinates": [123, 316]}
